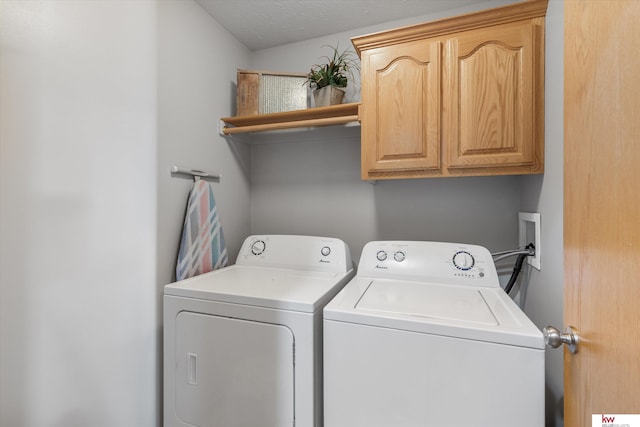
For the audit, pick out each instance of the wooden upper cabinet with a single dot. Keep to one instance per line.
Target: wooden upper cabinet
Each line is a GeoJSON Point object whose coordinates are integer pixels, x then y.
{"type": "Point", "coordinates": [401, 107]}
{"type": "Point", "coordinates": [491, 104]}
{"type": "Point", "coordinates": [459, 96]}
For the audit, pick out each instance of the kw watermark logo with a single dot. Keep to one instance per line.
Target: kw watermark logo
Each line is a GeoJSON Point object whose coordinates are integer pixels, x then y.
{"type": "Point", "coordinates": [615, 420]}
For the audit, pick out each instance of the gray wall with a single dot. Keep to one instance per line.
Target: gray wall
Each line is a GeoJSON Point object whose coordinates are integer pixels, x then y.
{"type": "Point", "coordinates": [97, 121]}
{"type": "Point", "coordinates": [98, 100]}
{"type": "Point", "coordinates": [544, 194]}
{"type": "Point", "coordinates": [197, 62]}
{"type": "Point", "coordinates": [78, 319]}
{"type": "Point", "coordinates": [311, 184]}
{"type": "Point", "coordinates": [308, 182]}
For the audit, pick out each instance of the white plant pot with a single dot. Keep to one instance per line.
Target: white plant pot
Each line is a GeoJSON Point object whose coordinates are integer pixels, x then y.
{"type": "Point", "coordinates": [328, 95]}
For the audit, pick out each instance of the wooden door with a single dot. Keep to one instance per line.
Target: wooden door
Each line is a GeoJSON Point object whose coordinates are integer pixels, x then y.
{"type": "Point", "coordinates": [602, 207]}
{"type": "Point", "coordinates": [401, 92]}
{"type": "Point", "coordinates": [495, 85]}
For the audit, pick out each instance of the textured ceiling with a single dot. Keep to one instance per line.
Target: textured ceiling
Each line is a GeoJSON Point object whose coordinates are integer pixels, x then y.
{"type": "Point", "coordinates": [260, 24]}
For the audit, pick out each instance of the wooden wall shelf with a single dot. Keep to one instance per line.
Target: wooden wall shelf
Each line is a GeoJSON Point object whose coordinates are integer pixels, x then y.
{"type": "Point", "coordinates": [321, 116]}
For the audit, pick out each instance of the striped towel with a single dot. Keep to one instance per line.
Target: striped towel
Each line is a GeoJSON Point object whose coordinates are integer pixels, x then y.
{"type": "Point", "coordinates": [202, 246]}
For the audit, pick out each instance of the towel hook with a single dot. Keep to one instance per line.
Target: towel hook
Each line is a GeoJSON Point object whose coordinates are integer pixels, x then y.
{"type": "Point", "coordinates": [196, 174]}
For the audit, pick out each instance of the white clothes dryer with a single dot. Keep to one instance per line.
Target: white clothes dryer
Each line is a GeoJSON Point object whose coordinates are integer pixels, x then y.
{"type": "Point", "coordinates": [243, 344]}
{"type": "Point", "coordinates": [425, 336]}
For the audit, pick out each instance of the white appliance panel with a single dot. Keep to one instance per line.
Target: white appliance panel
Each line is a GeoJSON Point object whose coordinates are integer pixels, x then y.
{"type": "Point", "coordinates": [262, 287]}
{"type": "Point", "coordinates": [426, 300]}
{"type": "Point", "coordinates": [243, 344]}
{"type": "Point", "coordinates": [232, 372]}
{"type": "Point", "coordinates": [511, 325]}
{"type": "Point", "coordinates": [425, 336]}
{"type": "Point", "coordinates": [384, 377]}
{"type": "Point", "coordinates": [435, 262]}
{"type": "Point", "coordinates": [296, 253]}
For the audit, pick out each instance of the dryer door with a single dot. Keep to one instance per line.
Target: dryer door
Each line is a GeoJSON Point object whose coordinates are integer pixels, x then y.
{"type": "Point", "coordinates": [233, 372]}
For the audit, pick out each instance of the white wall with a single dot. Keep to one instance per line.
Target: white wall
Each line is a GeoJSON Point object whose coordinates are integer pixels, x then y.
{"type": "Point", "coordinates": [78, 318]}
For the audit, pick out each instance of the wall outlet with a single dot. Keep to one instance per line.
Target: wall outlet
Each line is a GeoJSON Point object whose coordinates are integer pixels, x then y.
{"type": "Point", "coordinates": [529, 225]}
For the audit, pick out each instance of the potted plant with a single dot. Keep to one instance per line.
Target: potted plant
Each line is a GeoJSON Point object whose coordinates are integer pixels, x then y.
{"type": "Point", "coordinates": [330, 79]}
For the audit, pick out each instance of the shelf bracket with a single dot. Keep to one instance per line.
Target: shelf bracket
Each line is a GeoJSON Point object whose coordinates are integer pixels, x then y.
{"type": "Point", "coordinates": [222, 126]}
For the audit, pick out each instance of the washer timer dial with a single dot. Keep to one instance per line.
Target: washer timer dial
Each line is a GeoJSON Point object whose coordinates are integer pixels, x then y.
{"type": "Point", "coordinates": [463, 260]}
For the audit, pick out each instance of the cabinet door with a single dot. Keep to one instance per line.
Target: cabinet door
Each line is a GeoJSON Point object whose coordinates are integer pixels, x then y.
{"type": "Point", "coordinates": [493, 107]}
{"type": "Point", "coordinates": [401, 93]}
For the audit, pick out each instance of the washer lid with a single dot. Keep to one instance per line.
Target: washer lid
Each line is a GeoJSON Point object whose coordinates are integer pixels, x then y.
{"type": "Point", "coordinates": [429, 301]}
{"type": "Point", "coordinates": [475, 313]}
{"type": "Point", "coordinates": [277, 288]}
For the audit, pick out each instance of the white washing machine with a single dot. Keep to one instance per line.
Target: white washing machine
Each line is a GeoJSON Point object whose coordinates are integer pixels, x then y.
{"type": "Point", "coordinates": [425, 336]}
{"type": "Point", "coordinates": [243, 344]}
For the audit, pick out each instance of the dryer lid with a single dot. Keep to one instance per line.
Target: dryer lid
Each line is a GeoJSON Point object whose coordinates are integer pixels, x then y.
{"type": "Point", "coordinates": [476, 313]}
{"type": "Point", "coordinates": [268, 287]}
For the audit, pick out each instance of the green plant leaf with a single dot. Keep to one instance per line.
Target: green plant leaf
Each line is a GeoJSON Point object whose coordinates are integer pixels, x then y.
{"type": "Point", "coordinates": [335, 72]}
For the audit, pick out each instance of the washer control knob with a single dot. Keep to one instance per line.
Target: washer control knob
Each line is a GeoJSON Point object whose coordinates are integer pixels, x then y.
{"type": "Point", "coordinates": [463, 260]}
{"type": "Point", "coordinates": [399, 256]}
{"type": "Point", "coordinates": [381, 255]}
{"type": "Point", "coordinates": [258, 247]}
{"type": "Point", "coordinates": [326, 250]}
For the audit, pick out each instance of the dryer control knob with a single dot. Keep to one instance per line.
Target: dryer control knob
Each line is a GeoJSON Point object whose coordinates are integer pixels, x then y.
{"type": "Point", "coordinates": [326, 250]}
{"type": "Point", "coordinates": [381, 255]}
{"type": "Point", "coordinates": [399, 256]}
{"type": "Point", "coordinates": [258, 247]}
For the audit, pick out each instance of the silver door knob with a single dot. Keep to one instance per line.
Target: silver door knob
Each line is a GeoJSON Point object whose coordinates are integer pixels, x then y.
{"type": "Point", "coordinates": [554, 339]}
